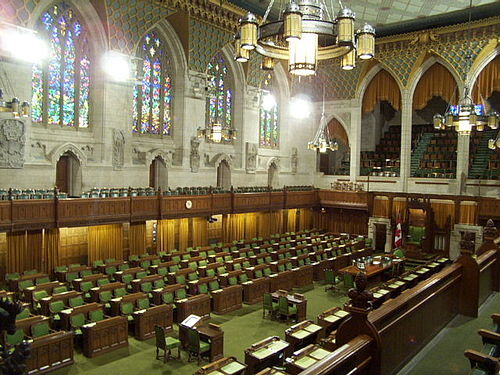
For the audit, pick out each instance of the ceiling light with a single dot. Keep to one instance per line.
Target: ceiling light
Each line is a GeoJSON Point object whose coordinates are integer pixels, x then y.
{"type": "Point", "coordinates": [300, 107]}
{"type": "Point", "coordinates": [268, 101]}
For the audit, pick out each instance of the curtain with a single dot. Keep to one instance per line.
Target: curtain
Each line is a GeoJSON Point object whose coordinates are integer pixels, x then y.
{"type": "Point", "coordinates": [291, 220]}
{"type": "Point", "coordinates": [342, 221]}
{"type": "Point", "coordinates": [443, 210]}
{"type": "Point", "coordinates": [380, 207]}
{"type": "Point", "coordinates": [337, 131]}
{"type": "Point", "coordinates": [51, 249]}
{"type": "Point", "coordinates": [487, 81]}
{"type": "Point", "coordinates": [436, 81]}
{"type": "Point", "coordinates": [305, 219]}
{"type": "Point", "coordinates": [381, 87]}
{"type": "Point", "coordinates": [399, 209]}
{"type": "Point", "coordinates": [137, 238]}
{"type": "Point", "coordinates": [276, 222]}
{"type": "Point", "coordinates": [250, 225]}
{"type": "Point", "coordinates": [200, 231]}
{"type": "Point", "coordinates": [183, 233]}
{"type": "Point", "coordinates": [233, 227]}
{"type": "Point", "coordinates": [264, 224]}
{"type": "Point", "coordinates": [166, 235]}
{"type": "Point", "coordinates": [24, 251]}
{"type": "Point", "coordinates": [468, 212]}
{"type": "Point", "coordinates": [105, 241]}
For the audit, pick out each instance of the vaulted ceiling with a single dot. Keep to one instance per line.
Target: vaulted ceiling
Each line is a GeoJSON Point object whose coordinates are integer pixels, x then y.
{"type": "Point", "coordinates": [387, 14]}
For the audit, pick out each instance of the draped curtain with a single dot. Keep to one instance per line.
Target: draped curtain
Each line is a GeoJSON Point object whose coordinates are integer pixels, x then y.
{"type": "Point", "coordinates": [487, 81]}
{"type": "Point", "coordinates": [443, 210]}
{"type": "Point", "coordinates": [51, 249]}
{"type": "Point", "coordinates": [200, 231]}
{"type": "Point", "coordinates": [250, 225]}
{"type": "Point", "coordinates": [291, 220]}
{"type": "Point", "coordinates": [137, 238]}
{"type": "Point", "coordinates": [436, 81]}
{"type": "Point", "coordinates": [166, 235]}
{"type": "Point", "coordinates": [24, 251]}
{"type": "Point", "coordinates": [382, 87]}
{"type": "Point", "coordinates": [468, 212]}
{"type": "Point", "coordinates": [105, 241]}
{"type": "Point", "coordinates": [305, 219]}
{"type": "Point", "coordinates": [399, 209]}
{"type": "Point", "coordinates": [183, 233]}
{"type": "Point", "coordinates": [233, 227]}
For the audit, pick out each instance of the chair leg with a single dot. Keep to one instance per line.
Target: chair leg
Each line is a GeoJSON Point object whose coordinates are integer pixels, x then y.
{"type": "Point", "coordinates": [179, 352]}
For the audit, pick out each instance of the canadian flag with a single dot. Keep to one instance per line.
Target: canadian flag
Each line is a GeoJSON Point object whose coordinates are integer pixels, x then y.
{"type": "Point", "coordinates": [398, 235]}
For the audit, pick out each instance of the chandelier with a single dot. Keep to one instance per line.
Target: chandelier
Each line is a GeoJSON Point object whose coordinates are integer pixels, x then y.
{"type": "Point", "coordinates": [466, 114]}
{"type": "Point", "coordinates": [494, 143]}
{"type": "Point", "coordinates": [216, 133]}
{"type": "Point", "coordinates": [305, 33]}
{"type": "Point", "coordinates": [322, 140]}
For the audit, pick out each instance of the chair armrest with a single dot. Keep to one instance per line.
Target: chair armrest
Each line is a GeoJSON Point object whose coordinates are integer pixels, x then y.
{"type": "Point", "coordinates": [478, 359]}
{"type": "Point", "coordinates": [489, 336]}
{"type": "Point", "coordinates": [496, 318]}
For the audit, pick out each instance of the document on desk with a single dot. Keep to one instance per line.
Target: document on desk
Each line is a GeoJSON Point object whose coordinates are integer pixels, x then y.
{"type": "Point", "coordinates": [277, 346]}
{"type": "Point", "coordinates": [300, 334]}
{"type": "Point", "coordinates": [233, 368]}
{"type": "Point", "coordinates": [319, 353]}
{"type": "Point", "coordinates": [305, 362]}
{"type": "Point", "coordinates": [312, 328]}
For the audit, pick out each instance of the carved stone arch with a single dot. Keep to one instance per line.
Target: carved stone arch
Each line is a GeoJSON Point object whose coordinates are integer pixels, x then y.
{"type": "Point", "coordinates": [274, 160]}
{"type": "Point", "coordinates": [219, 158]}
{"type": "Point", "coordinates": [365, 82]}
{"type": "Point", "coordinates": [165, 156]}
{"type": "Point", "coordinates": [487, 55]}
{"type": "Point", "coordinates": [68, 147]}
{"type": "Point", "coordinates": [98, 37]}
{"type": "Point", "coordinates": [429, 59]}
{"type": "Point", "coordinates": [341, 121]}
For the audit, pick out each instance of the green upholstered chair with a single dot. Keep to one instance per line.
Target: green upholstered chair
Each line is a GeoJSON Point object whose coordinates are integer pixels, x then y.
{"type": "Point", "coordinates": [59, 290]}
{"type": "Point", "coordinates": [211, 272]}
{"type": "Point", "coordinates": [96, 315]}
{"type": "Point", "coordinates": [37, 296]}
{"type": "Point", "coordinates": [162, 271]}
{"type": "Point", "coordinates": [127, 278]}
{"type": "Point", "coordinates": [180, 279]}
{"type": "Point", "coordinates": [25, 313]}
{"type": "Point", "coordinates": [159, 284]}
{"type": "Point", "coordinates": [105, 297]}
{"type": "Point", "coordinates": [97, 263]}
{"type": "Point", "coordinates": [398, 253]}
{"type": "Point", "coordinates": [105, 281]}
{"type": "Point", "coordinates": [127, 309]}
{"type": "Point", "coordinates": [77, 321]}
{"type": "Point", "coordinates": [213, 285]}
{"type": "Point", "coordinates": [42, 280]}
{"type": "Point", "coordinates": [85, 287]}
{"type": "Point", "coordinates": [12, 276]}
{"type": "Point", "coordinates": [120, 292]}
{"type": "Point", "coordinates": [202, 288]}
{"type": "Point", "coordinates": [167, 298]}
{"type": "Point", "coordinates": [55, 307]}
{"type": "Point", "coordinates": [415, 235]}
{"type": "Point", "coordinates": [166, 344]}
{"type": "Point", "coordinates": [330, 280]}
{"type": "Point", "coordinates": [147, 288]}
{"type": "Point", "coordinates": [243, 278]}
{"type": "Point", "coordinates": [70, 276]}
{"type": "Point", "coordinates": [145, 264]}
{"type": "Point", "coordinates": [237, 266]}
{"type": "Point", "coordinates": [30, 272]}
{"type": "Point", "coordinates": [22, 285]}
{"type": "Point", "coordinates": [76, 301]}
{"type": "Point", "coordinates": [192, 276]}
{"type": "Point", "coordinates": [268, 305]}
{"type": "Point", "coordinates": [232, 280]}
{"type": "Point", "coordinates": [40, 329]}
{"type": "Point", "coordinates": [141, 275]}
{"type": "Point", "coordinates": [124, 266]}
{"type": "Point", "coordinates": [196, 346]}
{"type": "Point", "coordinates": [285, 309]}
{"type": "Point", "coordinates": [173, 268]}
{"type": "Point", "coordinates": [109, 260]}
{"type": "Point", "coordinates": [180, 294]}
{"type": "Point", "coordinates": [142, 303]}
{"type": "Point", "coordinates": [16, 338]}
{"type": "Point", "coordinates": [85, 273]}
{"type": "Point", "coordinates": [348, 280]}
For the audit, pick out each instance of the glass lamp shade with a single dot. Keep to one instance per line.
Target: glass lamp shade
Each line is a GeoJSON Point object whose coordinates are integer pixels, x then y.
{"type": "Point", "coordinates": [303, 55]}
{"type": "Point", "coordinates": [491, 144]}
{"type": "Point", "coordinates": [216, 133]}
{"type": "Point", "coordinates": [267, 63]}
{"type": "Point", "coordinates": [345, 25]}
{"type": "Point", "coordinates": [348, 61]}
{"type": "Point", "coordinates": [240, 54]}
{"type": "Point", "coordinates": [464, 125]}
{"type": "Point", "coordinates": [437, 121]}
{"type": "Point", "coordinates": [292, 22]}
{"type": "Point", "coordinates": [248, 31]}
{"type": "Point", "coordinates": [366, 42]}
{"type": "Point", "coordinates": [493, 120]}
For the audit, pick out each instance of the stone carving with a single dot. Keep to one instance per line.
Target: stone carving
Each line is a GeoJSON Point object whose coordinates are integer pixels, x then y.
{"type": "Point", "coordinates": [424, 37]}
{"type": "Point", "coordinates": [138, 156]}
{"type": "Point", "coordinates": [490, 231]}
{"type": "Point", "coordinates": [88, 150]}
{"type": "Point", "coordinates": [118, 148]}
{"type": "Point", "coordinates": [360, 298]}
{"type": "Point", "coordinates": [12, 142]}
{"type": "Point", "coordinates": [39, 151]}
{"type": "Point", "coordinates": [251, 164]}
{"type": "Point", "coordinates": [294, 160]}
{"type": "Point", "coordinates": [194, 157]}
{"type": "Point", "coordinates": [467, 244]}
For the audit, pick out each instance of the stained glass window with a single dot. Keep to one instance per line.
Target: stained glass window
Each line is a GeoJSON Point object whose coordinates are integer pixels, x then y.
{"type": "Point", "coordinates": [220, 94]}
{"type": "Point", "coordinates": [269, 115]}
{"type": "Point", "coordinates": [60, 86]}
{"type": "Point", "coordinates": [153, 98]}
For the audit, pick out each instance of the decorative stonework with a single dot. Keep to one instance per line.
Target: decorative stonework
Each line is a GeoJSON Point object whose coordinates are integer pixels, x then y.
{"type": "Point", "coordinates": [12, 142]}
{"type": "Point", "coordinates": [138, 156]}
{"type": "Point", "coordinates": [39, 151]}
{"type": "Point", "coordinates": [118, 148]}
{"type": "Point", "coordinates": [294, 160]}
{"type": "Point", "coordinates": [194, 157]}
{"type": "Point", "coordinates": [255, 74]}
{"type": "Point", "coordinates": [251, 160]}
{"type": "Point", "coordinates": [17, 11]}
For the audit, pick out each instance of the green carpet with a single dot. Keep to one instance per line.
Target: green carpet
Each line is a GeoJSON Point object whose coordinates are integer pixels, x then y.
{"type": "Point", "coordinates": [241, 329]}
{"type": "Point", "coordinates": [445, 356]}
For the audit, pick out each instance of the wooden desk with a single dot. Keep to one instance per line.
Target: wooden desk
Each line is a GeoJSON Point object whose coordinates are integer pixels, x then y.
{"type": "Point", "coordinates": [304, 333]}
{"type": "Point", "coordinates": [61, 275]}
{"type": "Point", "coordinates": [131, 271]}
{"type": "Point", "coordinates": [92, 278]}
{"type": "Point", "coordinates": [301, 304]}
{"type": "Point", "coordinates": [116, 303]}
{"type": "Point", "coordinates": [48, 287]}
{"type": "Point", "coordinates": [331, 319]}
{"type": "Point", "coordinates": [146, 320]}
{"type": "Point", "coordinates": [227, 299]}
{"type": "Point", "coordinates": [193, 286]}
{"type": "Point", "coordinates": [224, 366]}
{"type": "Point", "coordinates": [371, 271]}
{"type": "Point", "coordinates": [208, 332]}
{"type": "Point", "coordinates": [283, 280]}
{"type": "Point", "coordinates": [94, 292]}
{"type": "Point", "coordinates": [14, 284]}
{"type": "Point", "coordinates": [158, 293]}
{"type": "Point", "coordinates": [84, 309]}
{"type": "Point", "coordinates": [197, 305]}
{"type": "Point", "coordinates": [254, 290]}
{"type": "Point", "coordinates": [303, 276]}
{"type": "Point", "coordinates": [305, 358]}
{"type": "Point", "coordinates": [116, 263]}
{"type": "Point", "coordinates": [45, 302]}
{"type": "Point", "coordinates": [271, 371]}
{"type": "Point", "coordinates": [50, 352]}
{"type": "Point", "coordinates": [105, 336]}
{"type": "Point", "coordinates": [266, 353]}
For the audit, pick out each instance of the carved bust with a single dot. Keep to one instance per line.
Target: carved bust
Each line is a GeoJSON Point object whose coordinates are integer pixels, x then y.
{"type": "Point", "coordinates": [360, 298]}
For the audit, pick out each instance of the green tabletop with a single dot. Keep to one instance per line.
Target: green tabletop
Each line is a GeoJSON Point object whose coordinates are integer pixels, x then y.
{"type": "Point", "coordinates": [312, 328]}
{"type": "Point", "coordinates": [332, 318]}
{"type": "Point", "coordinates": [277, 346]}
{"type": "Point", "coordinates": [233, 368]}
{"type": "Point", "coordinates": [305, 362]}
{"type": "Point", "coordinates": [319, 353]}
{"type": "Point", "coordinates": [300, 334]}
{"type": "Point", "coordinates": [341, 313]}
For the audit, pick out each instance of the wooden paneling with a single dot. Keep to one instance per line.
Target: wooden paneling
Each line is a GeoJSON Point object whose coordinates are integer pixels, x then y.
{"type": "Point", "coordinates": [277, 200]}
{"type": "Point", "coordinates": [489, 208]}
{"type": "Point", "coordinates": [3, 254]}
{"type": "Point", "coordinates": [144, 208]}
{"type": "Point", "coordinates": [74, 245]}
{"type": "Point", "coordinates": [175, 207]}
{"type": "Point", "coordinates": [5, 219]}
{"type": "Point", "coordinates": [33, 214]}
{"type": "Point", "coordinates": [250, 202]}
{"type": "Point", "coordinates": [222, 203]}
{"type": "Point", "coordinates": [344, 199]}
{"type": "Point", "coordinates": [298, 199]}
{"type": "Point", "coordinates": [74, 212]}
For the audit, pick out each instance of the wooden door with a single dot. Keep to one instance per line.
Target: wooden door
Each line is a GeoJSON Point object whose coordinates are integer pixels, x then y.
{"type": "Point", "coordinates": [152, 174]}
{"type": "Point", "coordinates": [380, 237]}
{"type": "Point", "coordinates": [62, 174]}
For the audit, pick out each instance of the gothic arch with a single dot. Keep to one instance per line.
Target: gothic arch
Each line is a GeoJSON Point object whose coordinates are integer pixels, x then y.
{"type": "Point", "coordinates": [165, 156]}
{"type": "Point", "coordinates": [342, 123]}
{"type": "Point", "coordinates": [365, 82]}
{"type": "Point", "coordinates": [219, 158]}
{"type": "Point", "coordinates": [487, 55]}
{"type": "Point", "coordinates": [274, 160]}
{"type": "Point", "coordinates": [68, 147]}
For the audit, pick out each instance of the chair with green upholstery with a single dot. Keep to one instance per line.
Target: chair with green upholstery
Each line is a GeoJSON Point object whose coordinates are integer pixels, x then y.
{"type": "Point", "coordinates": [85, 287]}
{"type": "Point", "coordinates": [12, 276]}
{"type": "Point", "coordinates": [196, 346]}
{"type": "Point", "coordinates": [232, 280]}
{"type": "Point", "coordinates": [269, 305]}
{"type": "Point", "coordinates": [243, 278]}
{"type": "Point", "coordinates": [42, 280]}
{"type": "Point", "coordinates": [97, 263]}
{"type": "Point", "coordinates": [76, 301]}
{"type": "Point", "coordinates": [127, 309]}
{"type": "Point", "coordinates": [166, 344]}
{"type": "Point", "coordinates": [202, 288]}
{"type": "Point", "coordinates": [213, 286]}
{"type": "Point", "coordinates": [192, 276]}
{"type": "Point", "coordinates": [180, 279]}
{"type": "Point", "coordinates": [162, 271]}
{"type": "Point", "coordinates": [145, 264]}
{"type": "Point", "coordinates": [173, 268]}
{"type": "Point", "coordinates": [237, 266]}
{"type": "Point", "coordinates": [85, 273]}
{"type": "Point", "coordinates": [124, 266]}
{"type": "Point", "coordinates": [285, 309]}
{"type": "Point", "coordinates": [141, 275]}
{"type": "Point", "coordinates": [16, 338]}
{"type": "Point", "coordinates": [211, 272]}
{"type": "Point", "coordinates": [105, 297]}
{"type": "Point", "coordinates": [415, 235]}
{"type": "Point", "coordinates": [55, 307]}
{"type": "Point", "coordinates": [120, 292]}
{"type": "Point", "coordinates": [105, 281]}
{"type": "Point", "coordinates": [399, 253]}
{"type": "Point", "coordinates": [22, 285]}
{"type": "Point", "coordinates": [143, 303]}
{"type": "Point", "coordinates": [159, 284]}
{"type": "Point", "coordinates": [330, 280]}
{"type": "Point", "coordinates": [110, 271]}
{"type": "Point", "coordinates": [59, 290]}
{"type": "Point", "coordinates": [348, 280]}
{"type": "Point", "coordinates": [37, 296]}
{"type": "Point", "coordinates": [133, 257]}
{"type": "Point", "coordinates": [77, 321]}
{"type": "Point", "coordinates": [167, 298]}
{"type": "Point", "coordinates": [30, 272]}
{"type": "Point", "coordinates": [40, 329]}
{"type": "Point", "coordinates": [70, 276]}
{"type": "Point", "coordinates": [25, 313]}
{"type": "Point", "coordinates": [147, 288]}
{"type": "Point", "coordinates": [180, 294]}
{"type": "Point", "coordinates": [96, 315]}
{"type": "Point", "coordinates": [127, 279]}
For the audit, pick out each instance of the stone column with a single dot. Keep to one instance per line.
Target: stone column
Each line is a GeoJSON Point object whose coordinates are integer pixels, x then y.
{"type": "Point", "coordinates": [462, 162]}
{"type": "Point", "coordinates": [406, 124]}
{"type": "Point", "coordinates": [355, 137]}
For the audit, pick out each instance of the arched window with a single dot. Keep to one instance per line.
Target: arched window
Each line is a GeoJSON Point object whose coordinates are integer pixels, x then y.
{"type": "Point", "coordinates": [153, 98]}
{"type": "Point", "coordinates": [269, 115]}
{"type": "Point", "coordinates": [220, 99]}
{"type": "Point", "coordinates": [60, 86]}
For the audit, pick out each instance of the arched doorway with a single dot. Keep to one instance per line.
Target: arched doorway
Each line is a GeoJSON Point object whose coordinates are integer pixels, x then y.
{"type": "Point", "coordinates": [336, 162]}
{"type": "Point", "coordinates": [158, 174]}
{"type": "Point", "coordinates": [69, 174]}
{"type": "Point", "coordinates": [224, 175]}
{"type": "Point", "coordinates": [273, 175]}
